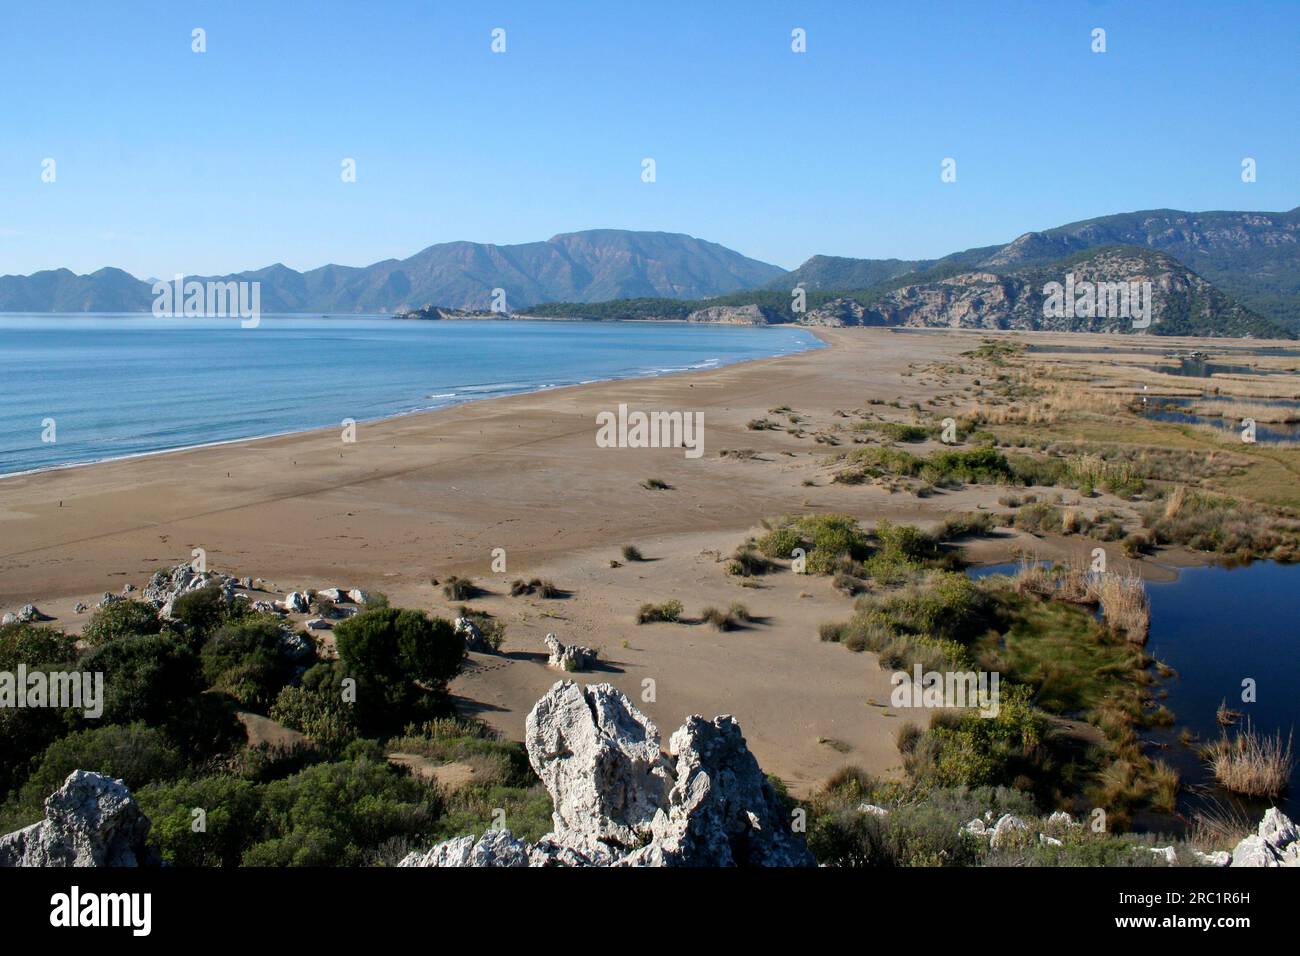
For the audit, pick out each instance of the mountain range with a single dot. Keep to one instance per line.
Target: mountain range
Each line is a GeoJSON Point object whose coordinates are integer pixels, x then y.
{"type": "Point", "coordinates": [1243, 266]}
{"type": "Point", "coordinates": [1253, 257]}
{"type": "Point", "coordinates": [589, 266]}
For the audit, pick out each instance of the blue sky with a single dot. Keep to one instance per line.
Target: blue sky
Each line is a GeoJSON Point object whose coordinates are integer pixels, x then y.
{"type": "Point", "coordinates": [169, 161]}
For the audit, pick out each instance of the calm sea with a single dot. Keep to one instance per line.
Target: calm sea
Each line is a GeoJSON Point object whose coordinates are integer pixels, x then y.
{"type": "Point", "coordinates": [118, 385]}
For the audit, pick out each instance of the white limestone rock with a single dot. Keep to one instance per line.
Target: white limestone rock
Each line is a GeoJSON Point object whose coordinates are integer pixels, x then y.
{"type": "Point", "coordinates": [568, 657]}
{"type": "Point", "coordinates": [1005, 830]}
{"type": "Point", "coordinates": [92, 820]}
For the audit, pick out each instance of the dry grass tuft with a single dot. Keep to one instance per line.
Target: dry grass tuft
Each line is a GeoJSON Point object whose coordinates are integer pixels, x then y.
{"type": "Point", "coordinates": [1252, 764]}
{"type": "Point", "coordinates": [1125, 605]}
{"type": "Point", "coordinates": [1175, 502]}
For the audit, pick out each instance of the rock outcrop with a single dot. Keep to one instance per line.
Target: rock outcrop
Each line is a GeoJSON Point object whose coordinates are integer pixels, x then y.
{"type": "Point", "coordinates": [736, 315]}
{"type": "Point", "coordinates": [620, 801]}
{"type": "Point", "coordinates": [473, 637]}
{"type": "Point", "coordinates": [1277, 843]}
{"type": "Point", "coordinates": [92, 820]}
{"type": "Point", "coordinates": [166, 586]}
{"type": "Point", "coordinates": [568, 657]}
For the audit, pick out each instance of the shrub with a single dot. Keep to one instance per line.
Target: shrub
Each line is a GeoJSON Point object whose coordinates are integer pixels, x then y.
{"type": "Point", "coordinates": [748, 562]}
{"type": "Point", "coordinates": [970, 524]}
{"type": "Point", "coordinates": [233, 819]}
{"type": "Point", "coordinates": [656, 484]}
{"type": "Point", "coordinates": [545, 589]}
{"type": "Point", "coordinates": [832, 542]}
{"type": "Point", "coordinates": [669, 612]}
{"type": "Point", "coordinates": [632, 553]}
{"type": "Point", "coordinates": [158, 680]}
{"type": "Point", "coordinates": [151, 678]}
{"type": "Point", "coordinates": [456, 588]}
{"type": "Point", "coordinates": [203, 610]}
{"type": "Point", "coordinates": [136, 754]}
{"type": "Point", "coordinates": [970, 750]}
{"type": "Point", "coordinates": [318, 708]}
{"type": "Point", "coordinates": [337, 814]}
{"type": "Point", "coordinates": [1252, 764]}
{"type": "Point", "coordinates": [1125, 605]}
{"type": "Point", "coordinates": [120, 619]}
{"type": "Point", "coordinates": [243, 659]}
{"type": "Point", "coordinates": [33, 645]}
{"type": "Point", "coordinates": [1038, 517]}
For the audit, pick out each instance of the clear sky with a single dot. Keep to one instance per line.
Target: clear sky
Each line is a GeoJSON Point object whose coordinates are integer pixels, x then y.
{"type": "Point", "coordinates": [173, 161]}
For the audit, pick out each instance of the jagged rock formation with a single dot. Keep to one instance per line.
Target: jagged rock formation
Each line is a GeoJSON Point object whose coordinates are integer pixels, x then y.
{"type": "Point", "coordinates": [1277, 843]}
{"type": "Point", "coordinates": [92, 820]}
{"type": "Point", "coordinates": [473, 637]}
{"type": "Point", "coordinates": [568, 657]}
{"type": "Point", "coordinates": [166, 586]}
{"type": "Point", "coordinates": [619, 801]}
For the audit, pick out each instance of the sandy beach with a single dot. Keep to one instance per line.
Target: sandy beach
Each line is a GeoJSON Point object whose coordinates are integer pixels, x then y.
{"type": "Point", "coordinates": [423, 496]}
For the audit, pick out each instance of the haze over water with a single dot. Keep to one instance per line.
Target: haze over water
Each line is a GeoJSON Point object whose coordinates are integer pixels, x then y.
{"type": "Point", "coordinates": [127, 385]}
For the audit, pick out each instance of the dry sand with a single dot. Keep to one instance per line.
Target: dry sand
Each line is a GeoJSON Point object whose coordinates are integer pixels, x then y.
{"type": "Point", "coordinates": [428, 495]}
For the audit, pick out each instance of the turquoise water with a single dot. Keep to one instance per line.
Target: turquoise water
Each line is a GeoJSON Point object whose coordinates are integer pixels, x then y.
{"type": "Point", "coordinates": [132, 384]}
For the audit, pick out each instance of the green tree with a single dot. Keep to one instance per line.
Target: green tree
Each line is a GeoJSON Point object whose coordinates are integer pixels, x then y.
{"type": "Point", "coordinates": [398, 657]}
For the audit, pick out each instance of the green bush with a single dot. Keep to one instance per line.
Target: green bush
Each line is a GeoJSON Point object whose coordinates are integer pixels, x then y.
{"type": "Point", "coordinates": [967, 749]}
{"type": "Point", "coordinates": [149, 678]}
{"type": "Point", "coordinates": [338, 814]}
{"type": "Point", "coordinates": [669, 612]}
{"type": "Point", "coordinates": [204, 609]}
{"type": "Point", "coordinates": [120, 619]}
{"type": "Point", "coordinates": [136, 754]}
{"type": "Point", "coordinates": [158, 680]}
{"type": "Point", "coordinates": [832, 542]}
{"type": "Point", "coordinates": [34, 645]}
{"type": "Point", "coordinates": [232, 819]}
{"type": "Point", "coordinates": [243, 659]}
{"type": "Point", "coordinates": [318, 708]}
{"type": "Point", "coordinates": [397, 655]}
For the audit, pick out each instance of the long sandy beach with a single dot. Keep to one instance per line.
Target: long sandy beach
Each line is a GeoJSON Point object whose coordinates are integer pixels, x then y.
{"type": "Point", "coordinates": [422, 496]}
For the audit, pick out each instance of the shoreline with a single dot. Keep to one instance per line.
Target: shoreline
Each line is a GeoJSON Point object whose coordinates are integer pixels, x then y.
{"type": "Point", "coordinates": [4, 476]}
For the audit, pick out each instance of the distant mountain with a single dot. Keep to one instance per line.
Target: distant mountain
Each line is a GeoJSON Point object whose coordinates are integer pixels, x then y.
{"type": "Point", "coordinates": [1254, 257]}
{"type": "Point", "coordinates": [837, 272]}
{"type": "Point", "coordinates": [587, 266]}
{"type": "Point", "coordinates": [1181, 302]}
{"type": "Point", "coordinates": [61, 290]}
